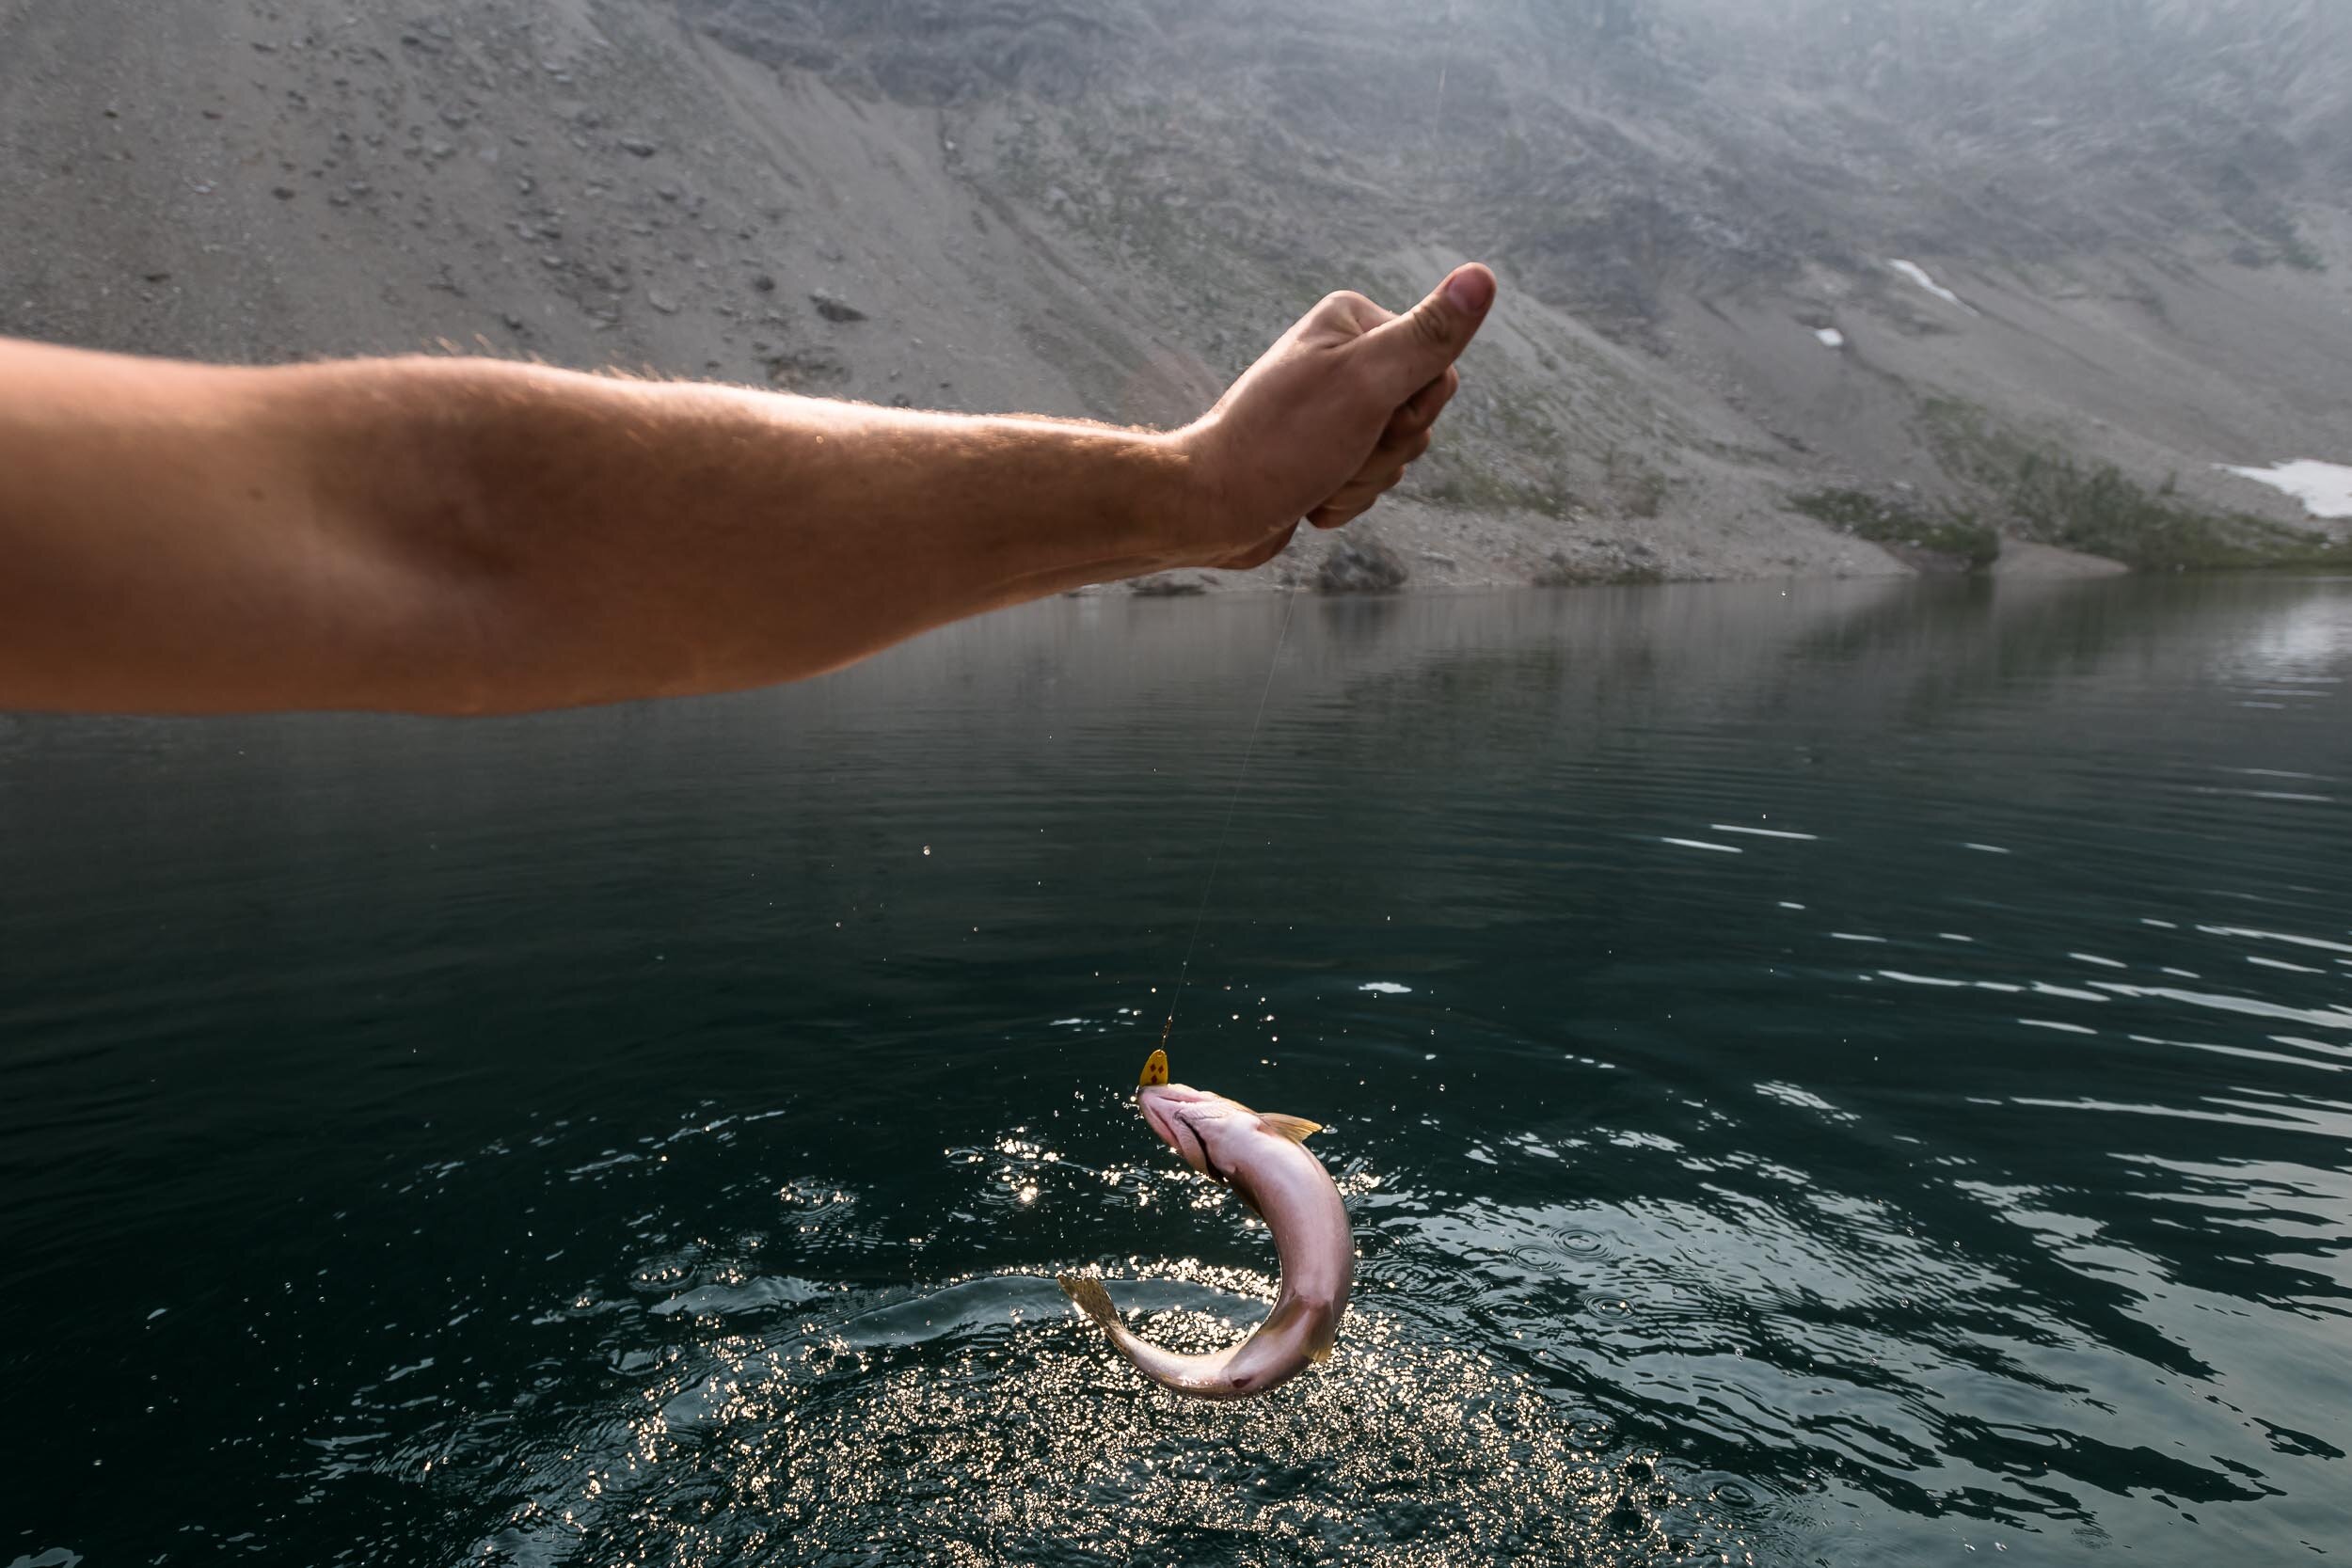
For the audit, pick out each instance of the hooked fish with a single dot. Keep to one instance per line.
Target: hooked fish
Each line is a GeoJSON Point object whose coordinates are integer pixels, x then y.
{"type": "Point", "coordinates": [1259, 1155]}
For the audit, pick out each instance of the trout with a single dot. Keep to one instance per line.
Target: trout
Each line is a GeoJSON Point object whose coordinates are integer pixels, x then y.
{"type": "Point", "coordinates": [1259, 1155]}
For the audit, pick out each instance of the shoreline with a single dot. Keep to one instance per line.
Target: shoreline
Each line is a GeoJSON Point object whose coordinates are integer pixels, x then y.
{"type": "Point", "coordinates": [1408, 546]}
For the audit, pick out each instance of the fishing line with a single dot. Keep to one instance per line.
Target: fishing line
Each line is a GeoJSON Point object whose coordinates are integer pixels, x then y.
{"type": "Point", "coordinates": [1290, 603]}
{"type": "Point", "coordinates": [1437, 116]}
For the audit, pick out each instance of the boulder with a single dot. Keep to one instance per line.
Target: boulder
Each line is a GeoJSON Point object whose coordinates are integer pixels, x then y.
{"type": "Point", "coordinates": [1360, 564]}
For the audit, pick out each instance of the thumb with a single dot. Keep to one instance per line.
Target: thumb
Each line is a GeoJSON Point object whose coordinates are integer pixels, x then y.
{"type": "Point", "coordinates": [1415, 348]}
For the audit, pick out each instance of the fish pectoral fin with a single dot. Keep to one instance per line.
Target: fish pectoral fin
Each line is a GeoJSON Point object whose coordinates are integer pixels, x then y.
{"type": "Point", "coordinates": [1296, 1128]}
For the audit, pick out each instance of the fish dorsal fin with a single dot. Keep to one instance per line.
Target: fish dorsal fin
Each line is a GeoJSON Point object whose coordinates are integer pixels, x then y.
{"type": "Point", "coordinates": [1296, 1128]}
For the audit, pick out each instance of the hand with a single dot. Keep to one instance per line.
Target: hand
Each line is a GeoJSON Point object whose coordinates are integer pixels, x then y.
{"type": "Point", "coordinates": [1327, 420]}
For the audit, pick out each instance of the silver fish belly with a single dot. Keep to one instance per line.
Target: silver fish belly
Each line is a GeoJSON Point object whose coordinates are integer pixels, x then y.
{"type": "Point", "coordinates": [1260, 1156]}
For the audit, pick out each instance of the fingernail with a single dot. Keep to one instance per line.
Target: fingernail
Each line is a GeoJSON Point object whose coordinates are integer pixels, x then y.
{"type": "Point", "coordinates": [1472, 289]}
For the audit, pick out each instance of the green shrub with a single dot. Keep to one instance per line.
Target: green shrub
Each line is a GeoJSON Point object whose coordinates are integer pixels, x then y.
{"type": "Point", "coordinates": [1886, 522]}
{"type": "Point", "coordinates": [2053, 498]}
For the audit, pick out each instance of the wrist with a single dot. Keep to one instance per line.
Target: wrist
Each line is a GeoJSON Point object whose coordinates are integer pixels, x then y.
{"type": "Point", "coordinates": [1197, 509]}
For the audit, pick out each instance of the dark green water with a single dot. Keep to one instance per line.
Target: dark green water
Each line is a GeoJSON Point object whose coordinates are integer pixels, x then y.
{"type": "Point", "coordinates": [646, 1137]}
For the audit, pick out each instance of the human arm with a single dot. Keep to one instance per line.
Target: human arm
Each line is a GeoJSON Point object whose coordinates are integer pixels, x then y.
{"type": "Point", "coordinates": [469, 536]}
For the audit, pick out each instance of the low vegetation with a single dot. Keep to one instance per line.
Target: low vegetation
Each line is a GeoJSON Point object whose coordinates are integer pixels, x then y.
{"type": "Point", "coordinates": [1560, 571]}
{"type": "Point", "coordinates": [1638, 488]}
{"type": "Point", "coordinates": [1480, 489]}
{"type": "Point", "coordinates": [2050, 496]}
{"type": "Point", "coordinates": [1889, 522]}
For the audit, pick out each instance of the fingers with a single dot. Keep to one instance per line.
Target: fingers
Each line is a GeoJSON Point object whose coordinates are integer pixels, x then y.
{"type": "Point", "coordinates": [1391, 460]}
{"type": "Point", "coordinates": [1380, 474]}
{"type": "Point", "coordinates": [1417, 348]}
{"type": "Point", "coordinates": [1257, 555]}
{"type": "Point", "coordinates": [1358, 315]}
{"type": "Point", "coordinates": [1338, 514]}
{"type": "Point", "coordinates": [1345, 368]}
{"type": "Point", "coordinates": [1376, 479]}
{"type": "Point", "coordinates": [1388, 463]}
{"type": "Point", "coordinates": [1419, 411]}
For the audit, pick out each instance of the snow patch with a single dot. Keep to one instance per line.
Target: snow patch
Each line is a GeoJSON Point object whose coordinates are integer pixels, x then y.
{"type": "Point", "coordinates": [1830, 336]}
{"type": "Point", "coordinates": [2324, 488]}
{"type": "Point", "coordinates": [1918, 275]}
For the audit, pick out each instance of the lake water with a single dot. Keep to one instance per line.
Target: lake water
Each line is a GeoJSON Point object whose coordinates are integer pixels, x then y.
{"type": "Point", "coordinates": [1844, 1074]}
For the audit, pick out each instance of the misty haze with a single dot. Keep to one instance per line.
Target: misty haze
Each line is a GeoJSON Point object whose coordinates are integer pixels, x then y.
{"type": "Point", "coordinates": [1800, 862]}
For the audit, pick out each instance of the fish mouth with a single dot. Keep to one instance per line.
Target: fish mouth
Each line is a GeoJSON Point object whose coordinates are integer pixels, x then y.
{"type": "Point", "coordinates": [1175, 1131]}
{"type": "Point", "coordinates": [1160, 1115]}
{"type": "Point", "coordinates": [1156, 1118]}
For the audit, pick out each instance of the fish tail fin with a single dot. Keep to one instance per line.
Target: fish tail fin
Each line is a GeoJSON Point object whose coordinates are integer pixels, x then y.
{"type": "Point", "coordinates": [1088, 1296]}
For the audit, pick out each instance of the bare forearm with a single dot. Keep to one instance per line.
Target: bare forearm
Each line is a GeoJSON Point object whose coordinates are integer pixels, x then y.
{"type": "Point", "coordinates": [475, 536]}
{"type": "Point", "coordinates": [637, 539]}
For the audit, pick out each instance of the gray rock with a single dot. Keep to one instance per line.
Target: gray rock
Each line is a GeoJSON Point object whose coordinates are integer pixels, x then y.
{"type": "Point", "coordinates": [1360, 564]}
{"type": "Point", "coordinates": [1166, 585]}
{"type": "Point", "coordinates": [835, 309]}
{"type": "Point", "coordinates": [808, 367]}
{"type": "Point", "coordinates": [642, 147]}
{"type": "Point", "coordinates": [661, 301]}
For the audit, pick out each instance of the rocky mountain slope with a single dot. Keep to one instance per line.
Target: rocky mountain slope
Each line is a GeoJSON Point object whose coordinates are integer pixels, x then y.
{"type": "Point", "coordinates": [2122, 231]}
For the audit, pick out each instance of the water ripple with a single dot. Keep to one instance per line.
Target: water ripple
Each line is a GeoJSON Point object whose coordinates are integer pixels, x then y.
{"type": "Point", "coordinates": [1849, 1075]}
